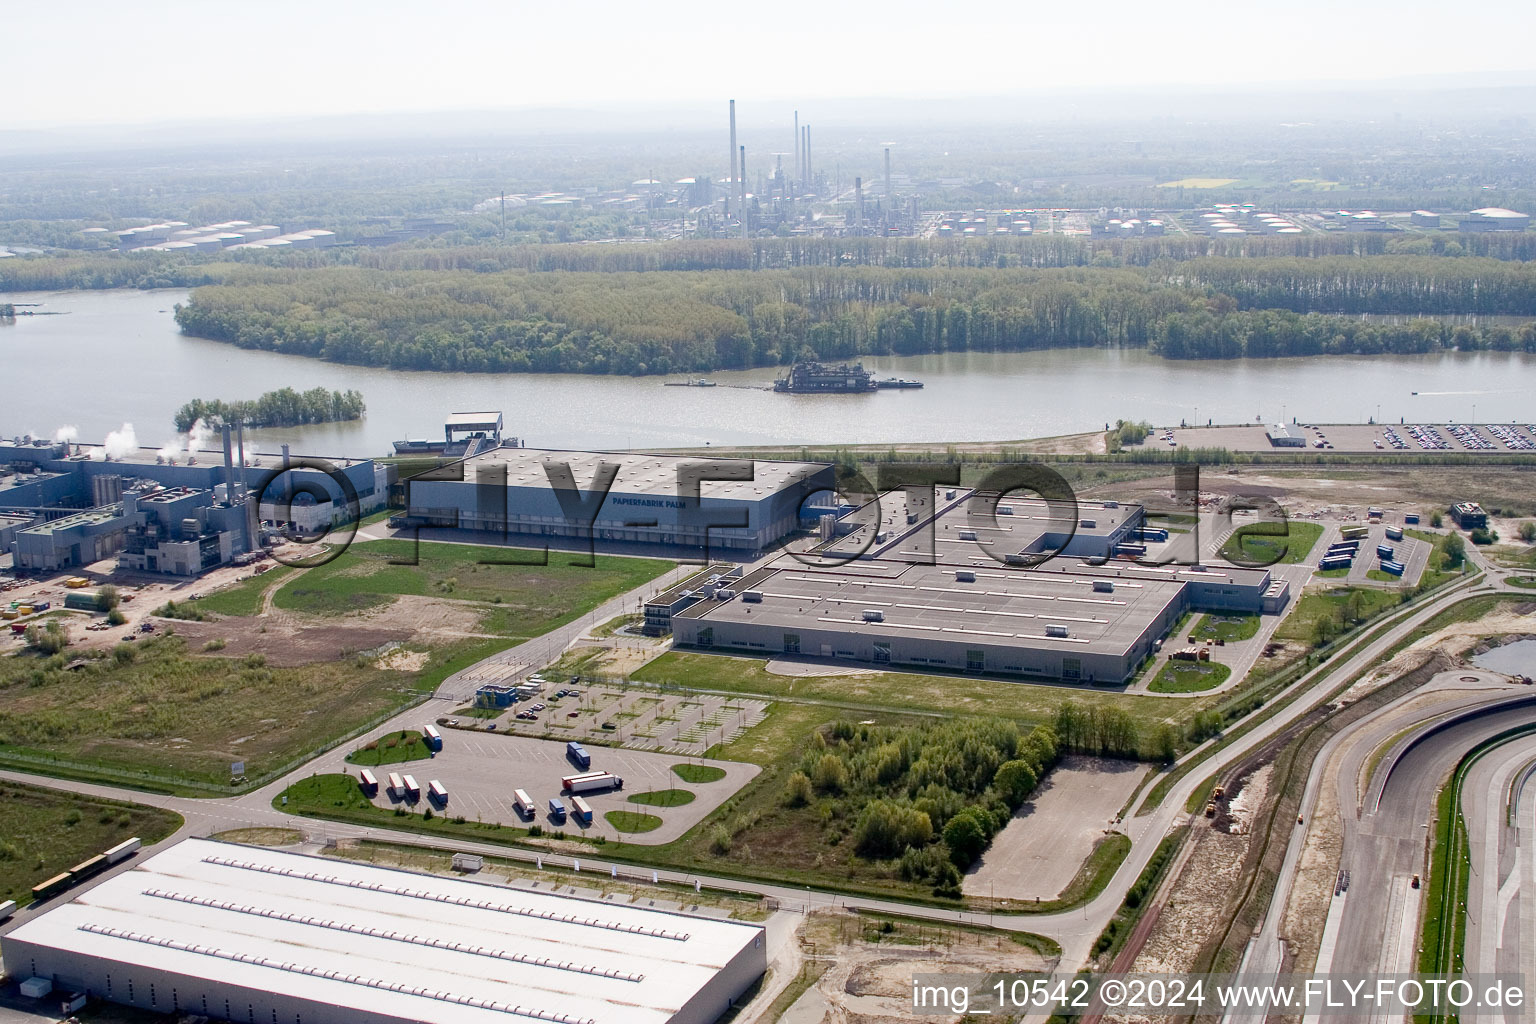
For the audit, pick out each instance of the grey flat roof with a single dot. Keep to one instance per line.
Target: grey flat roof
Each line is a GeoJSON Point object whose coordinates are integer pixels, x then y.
{"type": "Point", "coordinates": [1004, 604]}
{"type": "Point", "coordinates": [640, 474]}
{"type": "Point", "coordinates": [392, 942]}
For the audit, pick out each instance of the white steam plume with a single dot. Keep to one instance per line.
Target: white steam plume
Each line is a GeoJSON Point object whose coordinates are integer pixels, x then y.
{"type": "Point", "coordinates": [66, 434]}
{"type": "Point", "coordinates": [198, 436]}
{"type": "Point", "coordinates": [121, 442]}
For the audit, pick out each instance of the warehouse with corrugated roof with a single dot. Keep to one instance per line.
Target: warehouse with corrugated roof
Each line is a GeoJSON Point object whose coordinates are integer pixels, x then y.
{"type": "Point", "coordinates": [251, 934]}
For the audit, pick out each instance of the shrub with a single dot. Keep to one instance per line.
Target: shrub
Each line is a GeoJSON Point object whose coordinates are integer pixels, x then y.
{"type": "Point", "coordinates": [1481, 535]}
{"type": "Point", "coordinates": [116, 617]}
{"type": "Point", "coordinates": [720, 840]}
{"type": "Point", "coordinates": [217, 644]}
{"type": "Point", "coordinates": [1528, 532]}
{"type": "Point", "coordinates": [107, 598]}
{"type": "Point", "coordinates": [797, 789]}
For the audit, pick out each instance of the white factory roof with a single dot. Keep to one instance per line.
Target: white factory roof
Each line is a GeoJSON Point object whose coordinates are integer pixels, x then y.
{"type": "Point", "coordinates": [393, 943]}
{"type": "Point", "coordinates": [474, 419]}
{"type": "Point", "coordinates": [1497, 212]}
{"type": "Point", "coordinates": [643, 474]}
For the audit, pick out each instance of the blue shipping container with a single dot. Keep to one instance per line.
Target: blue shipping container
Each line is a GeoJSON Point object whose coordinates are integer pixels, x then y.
{"type": "Point", "coordinates": [578, 755]}
{"type": "Point", "coordinates": [557, 810]}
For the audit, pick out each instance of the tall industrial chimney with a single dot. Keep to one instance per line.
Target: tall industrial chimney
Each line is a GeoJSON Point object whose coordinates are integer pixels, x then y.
{"type": "Point", "coordinates": [810, 169]}
{"type": "Point", "coordinates": [799, 167]}
{"type": "Point", "coordinates": [743, 191]}
{"type": "Point", "coordinates": [229, 467]}
{"type": "Point", "coordinates": [731, 185]}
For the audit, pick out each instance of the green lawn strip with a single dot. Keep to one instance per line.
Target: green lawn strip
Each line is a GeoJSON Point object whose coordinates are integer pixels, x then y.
{"type": "Point", "coordinates": [698, 774]}
{"type": "Point", "coordinates": [1331, 574]}
{"type": "Point", "coordinates": [1249, 544]}
{"type": "Point", "coordinates": [1190, 676]}
{"type": "Point", "coordinates": [521, 598]}
{"type": "Point", "coordinates": [632, 821]}
{"type": "Point", "coordinates": [395, 748]}
{"type": "Point", "coordinates": [1227, 628]}
{"type": "Point", "coordinates": [1124, 920]}
{"type": "Point", "coordinates": [1382, 576]}
{"type": "Point", "coordinates": [663, 798]}
{"type": "Point", "coordinates": [48, 831]}
{"type": "Point", "coordinates": [1527, 582]}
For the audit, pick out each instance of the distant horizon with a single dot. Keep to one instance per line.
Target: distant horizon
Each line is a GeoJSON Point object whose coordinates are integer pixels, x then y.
{"type": "Point", "coordinates": [179, 62]}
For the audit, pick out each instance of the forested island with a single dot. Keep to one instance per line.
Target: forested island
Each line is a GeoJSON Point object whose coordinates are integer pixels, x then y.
{"type": "Point", "coordinates": [656, 322]}
{"type": "Point", "coordinates": [284, 407]}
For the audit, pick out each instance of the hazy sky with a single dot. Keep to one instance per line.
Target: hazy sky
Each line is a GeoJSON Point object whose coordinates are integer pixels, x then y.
{"type": "Point", "coordinates": [109, 61]}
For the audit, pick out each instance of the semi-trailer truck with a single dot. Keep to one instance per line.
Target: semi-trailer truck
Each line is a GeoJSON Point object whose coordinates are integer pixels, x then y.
{"type": "Point", "coordinates": [588, 782]}
{"type": "Point", "coordinates": [524, 804]}
{"type": "Point", "coordinates": [581, 810]}
{"type": "Point", "coordinates": [556, 810]}
{"type": "Point", "coordinates": [433, 737]}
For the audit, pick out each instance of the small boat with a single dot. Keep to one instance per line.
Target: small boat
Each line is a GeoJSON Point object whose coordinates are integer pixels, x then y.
{"type": "Point", "coordinates": [698, 382]}
{"type": "Point", "coordinates": [898, 382]}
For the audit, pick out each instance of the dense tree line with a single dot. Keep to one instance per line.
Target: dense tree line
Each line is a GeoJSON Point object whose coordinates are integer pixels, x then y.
{"type": "Point", "coordinates": [688, 321]}
{"type": "Point", "coordinates": [284, 407]}
{"type": "Point", "coordinates": [930, 796]}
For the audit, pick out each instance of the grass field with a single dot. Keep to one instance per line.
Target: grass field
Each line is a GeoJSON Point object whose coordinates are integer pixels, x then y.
{"type": "Point", "coordinates": [1228, 628]}
{"type": "Point", "coordinates": [396, 748]}
{"type": "Point", "coordinates": [522, 599]}
{"type": "Point", "coordinates": [156, 708]}
{"type": "Point", "coordinates": [47, 832]}
{"type": "Point", "coordinates": [1527, 582]}
{"type": "Point", "coordinates": [1198, 183]}
{"type": "Point", "coordinates": [1335, 608]}
{"type": "Point", "coordinates": [663, 798]}
{"type": "Point", "coordinates": [1257, 548]}
{"type": "Point", "coordinates": [244, 598]}
{"type": "Point", "coordinates": [698, 773]}
{"type": "Point", "coordinates": [1189, 677]}
{"type": "Point", "coordinates": [1033, 703]}
{"type": "Point", "coordinates": [632, 821]}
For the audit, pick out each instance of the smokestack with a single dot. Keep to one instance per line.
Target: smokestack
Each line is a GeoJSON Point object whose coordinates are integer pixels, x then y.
{"type": "Point", "coordinates": [810, 169]}
{"type": "Point", "coordinates": [858, 200]}
{"type": "Point", "coordinates": [229, 468]}
{"type": "Point", "coordinates": [245, 488]}
{"type": "Point", "coordinates": [887, 174]}
{"type": "Point", "coordinates": [743, 191]}
{"type": "Point", "coordinates": [799, 167]}
{"type": "Point", "coordinates": [731, 186]}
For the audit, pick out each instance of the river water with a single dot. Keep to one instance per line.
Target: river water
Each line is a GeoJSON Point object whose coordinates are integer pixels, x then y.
{"type": "Point", "coordinates": [117, 356]}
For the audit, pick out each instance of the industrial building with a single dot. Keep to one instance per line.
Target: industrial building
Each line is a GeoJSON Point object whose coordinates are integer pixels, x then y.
{"type": "Point", "coordinates": [1065, 620]}
{"type": "Point", "coordinates": [1469, 515]}
{"type": "Point", "coordinates": [956, 581]}
{"type": "Point", "coordinates": [251, 934]}
{"type": "Point", "coordinates": [1494, 218]}
{"type": "Point", "coordinates": [1284, 435]}
{"type": "Point", "coordinates": [83, 504]}
{"type": "Point", "coordinates": [549, 493]}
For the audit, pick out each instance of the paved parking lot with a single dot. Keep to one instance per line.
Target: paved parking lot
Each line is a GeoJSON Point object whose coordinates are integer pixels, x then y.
{"type": "Point", "coordinates": [642, 717]}
{"type": "Point", "coordinates": [1412, 552]}
{"type": "Point", "coordinates": [1402, 439]}
{"type": "Point", "coordinates": [481, 769]}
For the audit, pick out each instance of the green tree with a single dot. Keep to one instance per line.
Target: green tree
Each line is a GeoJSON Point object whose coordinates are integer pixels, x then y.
{"type": "Point", "coordinates": [107, 598]}
{"type": "Point", "coordinates": [966, 835]}
{"type": "Point", "coordinates": [1015, 780]}
{"type": "Point", "coordinates": [1455, 549]}
{"type": "Point", "coordinates": [1528, 532]}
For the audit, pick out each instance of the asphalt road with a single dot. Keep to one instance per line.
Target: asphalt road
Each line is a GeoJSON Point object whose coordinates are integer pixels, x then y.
{"type": "Point", "coordinates": [1075, 929]}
